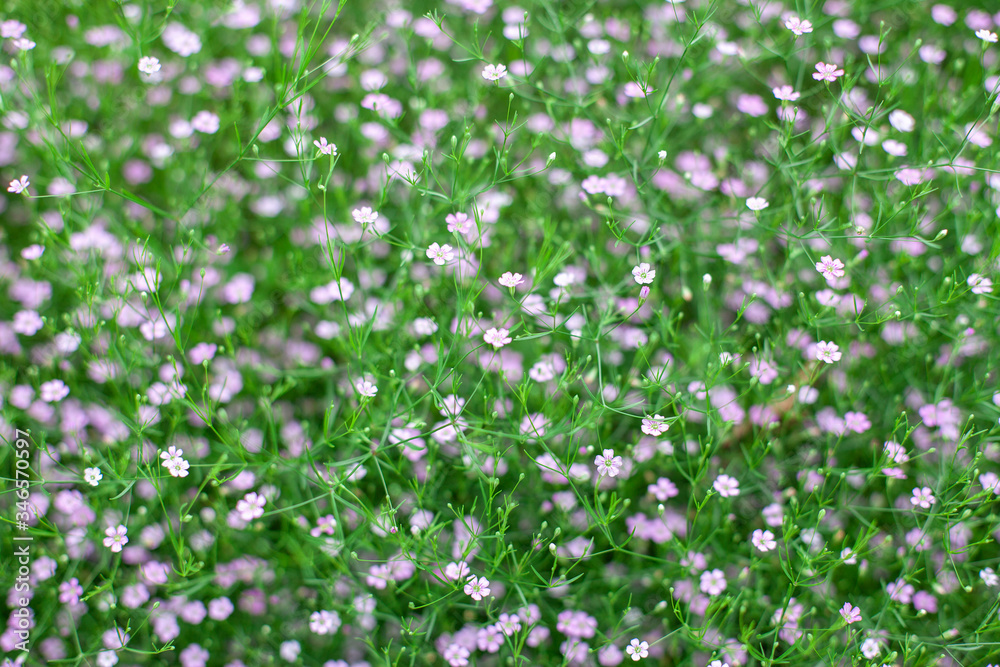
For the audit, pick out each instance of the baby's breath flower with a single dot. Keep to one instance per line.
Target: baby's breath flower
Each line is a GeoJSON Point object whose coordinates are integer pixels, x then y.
{"type": "Point", "coordinates": [497, 338]}
{"type": "Point", "coordinates": [477, 588]}
{"type": "Point", "coordinates": [327, 149]}
{"type": "Point", "coordinates": [366, 389]}
{"type": "Point", "coordinates": [763, 540]}
{"type": "Point", "coordinates": [850, 614]}
{"type": "Point", "coordinates": [251, 506]}
{"type": "Point", "coordinates": [655, 425]}
{"type": "Point", "coordinates": [494, 72]}
{"type": "Point", "coordinates": [726, 486]}
{"type": "Point", "coordinates": [827, 352]}
{"type": "Point", "coordinates": [827, 72]}
{"type": "Point", "coordinates": [608, 464]}
{"type": "Point", "coordinates": [798, 26]}
{"type": "Point", "coordinates": [364, 215]}
{"type": "Point", "coordinates": [440, 254]}
{"type": "Point", "coordinates": [511, 280]}
{"type": "Point", "coordinates": [149, 65]}
{"type": "Point", "coordinates": [92, 476]}
{"type": "Point", "coordinates": [637, 649]}
{"type": "Point", "coordinates": [987, 36]}
{"type": "Point", "coordinates": [116, 538]}
{"type": "Point", "coordinates": [922, 497]}
{"type": "Point", "coordinates": [20, 185]}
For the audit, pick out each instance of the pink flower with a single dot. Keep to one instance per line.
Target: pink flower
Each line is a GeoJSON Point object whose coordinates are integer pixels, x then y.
{"type": "Point", "coordinates": [441, 254]}
{"type": "Point", "coordinates": [798, 26]}
{"type": "Point", "coordinates": [713, 582]}
{"type": "Point", "coordinates": [324, 147]}
{"type": "Point", "coordinates": [979, 284]}
{"type": "Point", "coordinates": [456, 571]}
{"type": "Point", "coordinates": [608, 463]}
{"type": "Point", "coordinates": [19, 186]}
{"type": "Point", "coordinates": [508, 624]}
{"type": "Point", "coordinates": [365, 216]}
{"type": "Point", "coordinates": [494, 72]}
{"type": "Point", "coordinates": [830, 267]}
{"type": "Point", "coordinates": [459, 222]}
{"type": "Point", "coordinates": [497, 338]}
{"type": "Point", "coordinates": [251, 506]}
{"type": "Point", "coordinates": [366, 389]}
{"type": "Point", "coordinates": [909, 176]}
{"type": "Point", "coordinates": [53, 391]}
{"type": "Point", "coordinates": [922, 497]}
{"type": "Point", "coordinates": [205, 122]}
{"type": "Point", "coordinates": [654, 425]}
{"type": "Point", "coordinates": [509, 279]}
{"type": "Point", "coordinates": [990, 482]}
{"type": "Point", "coordinates": [785, 93]}
{"type": "Point", "coordinates": [827, 352]}
{"type": "Point", "coordinates": [456, 655]}
{"type": "Point", "coordinates": [643, 274]}
{"type": "Point", "coordinates": [763, 540]}
{"type": "Point", "coordinates": [477, 588]}
{"type": "Point", "coordinates": [850, 614]}
{"type": "Point", "coordinates": [116, 538]}
{"type": "Point", "coordinates": [33, 252]}
{"type": "Point", "coordinates": [663, 489]}
{"type": "Point", "coordinates": [726, 486]}
{"type": "Point", "coordinates": [825, 72]}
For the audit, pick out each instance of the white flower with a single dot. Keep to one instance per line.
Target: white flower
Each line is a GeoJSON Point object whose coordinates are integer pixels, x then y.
{"type": "Point", "coordinates": [643, 274]}
{"type": "Point", "coordinates": [757, 203]}
{"type": "Point", "coordinates": [637, 649]}
{"type": "Point", "coordinates": [324, 147]}
{"type": "Point", "coordinates": [364, 215]}
{"type": "Point", "coordinates": [509, 279]}
{"type": "Point", "coordinates": [785, 93]}
{"type": "Point", "coordinates": [828, 352]}
{"type": "Point", "coordinates": [149, 65]}
{"type": "Point", "coordinates": [798, 26]}
{"type": "Point", "coordinates": [494, 72]}
{"type": "Point", "coordinates": [441, 254]}
{"type": "Point", "coordinates": [987, 36]}
{"type": "Point", "coordinates": [902, 121]}
{"type": "Point", "coordinates": [496, 337]}
{"type": "Point", "coordinates": [979, 284]}
{"type": "Point", "coordinates": [19, 186]}
{"type": "Point", "coordinates": [92, 476]}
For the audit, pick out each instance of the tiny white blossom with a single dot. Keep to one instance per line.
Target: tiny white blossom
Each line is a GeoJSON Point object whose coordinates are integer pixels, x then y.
{"type": "Point", "coordinates": [149, 65]}
{"type": "Point", "coordinates": [637, 649]}
{"type": "Point", "coordinates": [92, 476]}
{"type": "Point", "coordinates": [643, 274]}
{"type": "Point", "coordinates": [494, 72]}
